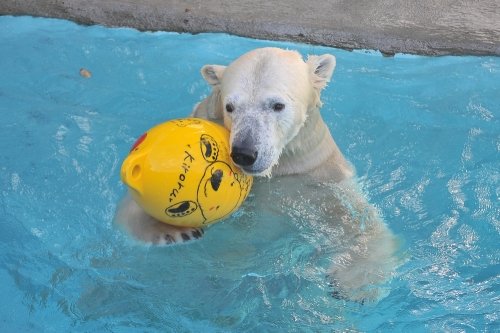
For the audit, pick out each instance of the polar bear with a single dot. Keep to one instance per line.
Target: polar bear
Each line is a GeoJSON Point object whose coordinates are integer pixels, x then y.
{"type": "Point", "coordinates": [269, 99]}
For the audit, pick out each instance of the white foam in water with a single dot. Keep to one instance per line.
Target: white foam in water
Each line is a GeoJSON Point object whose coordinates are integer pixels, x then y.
{"type": "Point", "coordinates": [422, 133]}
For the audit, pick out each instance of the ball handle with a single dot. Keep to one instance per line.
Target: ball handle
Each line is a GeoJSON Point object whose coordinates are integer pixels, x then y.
{"type": "Point", "coordinates": [132, 170]}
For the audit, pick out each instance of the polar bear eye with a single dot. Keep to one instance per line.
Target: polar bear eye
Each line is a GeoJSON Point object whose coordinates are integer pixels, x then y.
{"type": "Point", "coordinates": [278, 107]}
{"type": "Point", "coordinates": [229, 107]}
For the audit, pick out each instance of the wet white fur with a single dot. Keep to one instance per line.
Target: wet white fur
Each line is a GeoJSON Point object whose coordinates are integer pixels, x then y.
{"type": "Point", "coordinates": [295, 146]}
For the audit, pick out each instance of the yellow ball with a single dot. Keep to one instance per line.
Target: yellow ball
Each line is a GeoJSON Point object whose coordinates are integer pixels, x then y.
{"type": "Point", "coordinates": [181, 173]}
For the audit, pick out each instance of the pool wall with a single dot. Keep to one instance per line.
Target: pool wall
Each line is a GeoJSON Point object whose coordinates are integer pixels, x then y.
{"type": "Point", "coordinates": [419, 27]}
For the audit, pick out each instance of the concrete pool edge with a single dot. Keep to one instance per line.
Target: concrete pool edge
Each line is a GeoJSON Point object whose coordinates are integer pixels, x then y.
{"type": "Point", "coordinates": [425, 28]}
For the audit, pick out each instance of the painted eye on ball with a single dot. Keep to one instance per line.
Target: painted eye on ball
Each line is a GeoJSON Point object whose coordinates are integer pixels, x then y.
{"type": "Point", "coordinates": [229, 107]}
{"type": "Point", "coordinates": [277, 107]}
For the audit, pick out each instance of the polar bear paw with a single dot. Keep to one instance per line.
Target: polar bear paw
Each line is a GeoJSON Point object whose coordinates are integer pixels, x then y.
{"type": "Point", "coordinates": [149, 230]}
{"type": "Point", "coordinates": [164, 234]}
{"type": "Point", "coordinates": [362, 294]}
{"type": "Point", "coordinates": [361, 277]}
{"type": "Point", "coordinates": [154, 232]}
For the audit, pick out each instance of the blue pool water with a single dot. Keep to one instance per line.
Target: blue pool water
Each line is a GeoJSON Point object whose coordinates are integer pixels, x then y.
{"type": "Point", "coordinates": [422, 132]}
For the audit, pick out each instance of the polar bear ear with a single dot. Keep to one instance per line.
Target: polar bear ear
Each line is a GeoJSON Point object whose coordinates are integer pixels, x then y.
{"type": "Point", "coordinates": [321, 69]}
{"type": "Point", "coordinates": [213, 74]}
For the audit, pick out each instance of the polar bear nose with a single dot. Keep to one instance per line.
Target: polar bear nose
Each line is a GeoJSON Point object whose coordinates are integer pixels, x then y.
{"type": "Point", "coordinates": [243, 156]}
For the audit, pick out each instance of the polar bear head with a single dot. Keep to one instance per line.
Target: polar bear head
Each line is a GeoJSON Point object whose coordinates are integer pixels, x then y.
{"type": "Point", "coordinates": [264, 98]}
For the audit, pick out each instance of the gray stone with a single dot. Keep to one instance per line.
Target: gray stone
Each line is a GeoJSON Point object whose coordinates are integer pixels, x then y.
{"type": "Point", "coordinates": [422, 27]}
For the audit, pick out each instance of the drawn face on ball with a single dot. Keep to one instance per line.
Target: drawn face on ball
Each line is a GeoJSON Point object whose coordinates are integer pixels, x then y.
{"type": "Point", "coordinates": [220, 190]}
